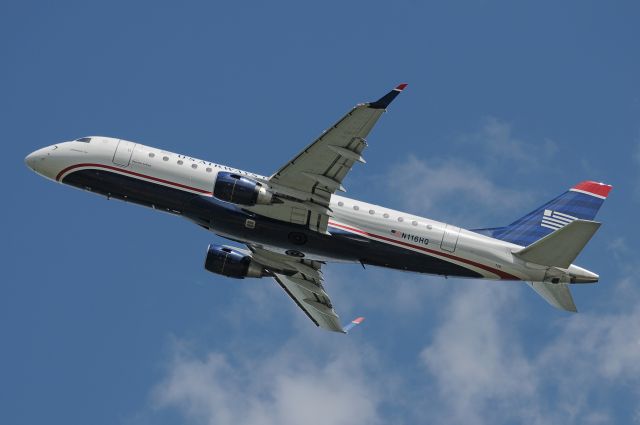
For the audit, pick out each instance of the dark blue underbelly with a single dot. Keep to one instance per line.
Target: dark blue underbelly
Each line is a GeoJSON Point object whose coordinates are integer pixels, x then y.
{"type": "Point", "coordinates": [229, 219]}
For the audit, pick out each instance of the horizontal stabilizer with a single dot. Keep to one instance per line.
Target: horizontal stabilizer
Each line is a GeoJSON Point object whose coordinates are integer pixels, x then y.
{"type": "Point", "coordinates": [556, 294]}
{"type": "Point", "coordinates": [561, 247]}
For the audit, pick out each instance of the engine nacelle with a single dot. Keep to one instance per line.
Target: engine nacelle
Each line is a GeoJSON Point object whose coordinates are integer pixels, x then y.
{"type": "Point", "coordinates": [231, 187]}
{"type": "Point", "coordinates": [231, 263]}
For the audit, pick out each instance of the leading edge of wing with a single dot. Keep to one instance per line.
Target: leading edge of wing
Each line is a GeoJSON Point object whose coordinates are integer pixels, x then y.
{"type": "Point", "coordinates": [295, 300]}
{"type": "Point", "coordinates": [320, 312]}
{"type": "Point", "coordinates": [386, 100]}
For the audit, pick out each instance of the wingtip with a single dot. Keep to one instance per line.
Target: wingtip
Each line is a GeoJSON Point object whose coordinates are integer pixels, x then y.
{"type": "Point", "coordinates": [386, 100]}
{"type": "Point", "coordinates": [353, 323]}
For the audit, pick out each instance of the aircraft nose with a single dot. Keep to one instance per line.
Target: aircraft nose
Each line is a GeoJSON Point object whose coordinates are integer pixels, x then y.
{"type": "Point", "coordinates": [30, 160]}
{"type": "Point", "coordinates": [35, 159]}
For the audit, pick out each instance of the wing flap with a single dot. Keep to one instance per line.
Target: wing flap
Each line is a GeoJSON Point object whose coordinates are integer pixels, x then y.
{"type": "Point", "coordinates": [310, 286]}
{"type": "Point", "coordinates": [318, 308]}
{"type": "Point", "coordinates": [302, 281]}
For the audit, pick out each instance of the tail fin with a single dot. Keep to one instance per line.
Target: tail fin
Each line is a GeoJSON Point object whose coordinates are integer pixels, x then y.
{"type": "Point", "coordinates": [580, 202]}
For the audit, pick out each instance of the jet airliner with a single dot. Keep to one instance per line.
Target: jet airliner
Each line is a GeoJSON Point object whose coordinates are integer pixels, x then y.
{"type": "Point", "coordinates": [293, 223]}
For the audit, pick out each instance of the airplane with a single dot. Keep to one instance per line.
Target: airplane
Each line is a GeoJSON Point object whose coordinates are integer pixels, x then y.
{"type": "Point", "coordinates": [292, 223]}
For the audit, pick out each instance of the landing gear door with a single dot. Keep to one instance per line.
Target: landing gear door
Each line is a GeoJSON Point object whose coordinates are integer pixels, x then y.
{"type": "Point", "coordinates": [124, 150]}
{"type": "Point", "coordinates": [450, 238]}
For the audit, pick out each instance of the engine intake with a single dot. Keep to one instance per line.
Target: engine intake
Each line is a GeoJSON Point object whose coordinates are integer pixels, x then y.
{"type": "Point", "coordinates": [236, 189]}
{"type": "Point", "coordinates": [231, 263]}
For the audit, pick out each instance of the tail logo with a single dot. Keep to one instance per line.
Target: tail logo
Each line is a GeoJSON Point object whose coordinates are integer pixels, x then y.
{"type": "Point", "coordinates": [556, 220]}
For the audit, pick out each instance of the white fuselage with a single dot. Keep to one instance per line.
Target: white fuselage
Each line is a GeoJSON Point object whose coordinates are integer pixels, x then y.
{"type": "Point", "coordinates": [489, 258]}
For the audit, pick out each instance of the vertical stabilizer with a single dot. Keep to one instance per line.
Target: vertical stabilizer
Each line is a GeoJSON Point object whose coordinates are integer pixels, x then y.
{"type": "Point", "coordinates": [581, 202]}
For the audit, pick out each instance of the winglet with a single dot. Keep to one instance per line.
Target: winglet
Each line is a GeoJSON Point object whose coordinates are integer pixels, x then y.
{"type": "Point", "coordinates": [353, 323]}
{"type": "Point", "coordinates": [386, 100]}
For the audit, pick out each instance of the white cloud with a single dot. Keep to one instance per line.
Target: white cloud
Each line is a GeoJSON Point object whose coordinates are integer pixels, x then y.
{"type": "Point", "coordinates": [476, 184]}
{"type": "Point", "coordinates": [485, 373]}
{"type": "Point", "coordinates": [456, 187]}
{"type": "Point", "coordinates": [496, 141]}
{"type": "Point", "coordinates": [397, 294]}
{"type": "Point", "coordinates": [285, 387]}
{"type": "Point", "coordinates": [474, 361]}
{"type": "Point", "coordinates": [477, 366]}
{"type": "Point", "coordinates": [603, 346]}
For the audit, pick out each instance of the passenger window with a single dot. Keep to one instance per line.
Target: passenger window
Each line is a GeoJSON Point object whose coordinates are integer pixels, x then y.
{"type": "Point", "coordinates": [208, 169]}
{"type": "Point", "coordinates": [372, 212]}
{"type": "Point", "coordinates": [165, 158]}
{"type": "Point", "coordinates": [341, 204]}
{"type": "Point", "coordinates": [415, 223]}
{"type": "Point", "coordinates": [385, 215]}
{"type": "Point", "coordinates": [355, 207]}
{"type": "Point", "coordinates": [180, 162]}
{"type": "Point", "coordinates": [151, 154]}
{"type": "Point", "coordinates": [400, 219]}
{"type": "Point", "coordinates": [194, 166]}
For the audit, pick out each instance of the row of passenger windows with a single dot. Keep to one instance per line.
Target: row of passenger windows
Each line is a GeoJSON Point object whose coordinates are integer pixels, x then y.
{"type": "Point", "coordinates": [180, 162]}
{"type": "Point", "coordinates": [385, 215]}
{"type": "Point", "coordinates": [341, 204]}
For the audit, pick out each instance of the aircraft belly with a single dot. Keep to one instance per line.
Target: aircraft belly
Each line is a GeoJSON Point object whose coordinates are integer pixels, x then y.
{"type": "Point", "coordinates": [129, 189]}
{"type": "Point", "coordinates": [233, 222]}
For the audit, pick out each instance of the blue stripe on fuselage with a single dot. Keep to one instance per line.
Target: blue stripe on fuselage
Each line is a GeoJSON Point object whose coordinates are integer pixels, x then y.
{"type": "Point", "coordinates": [229, 219]}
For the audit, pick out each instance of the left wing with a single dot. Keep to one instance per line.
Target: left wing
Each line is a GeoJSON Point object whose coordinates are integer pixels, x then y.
{"type": "Point", "coordinates": [320, 168]}
{"type": "Point", "coordinates": [305, 183]}
{"type": "Point", "coordinates": [302, 281]}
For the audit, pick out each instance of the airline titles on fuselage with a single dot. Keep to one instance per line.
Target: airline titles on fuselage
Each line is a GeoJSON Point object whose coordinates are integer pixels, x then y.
{"type": "Point", "coordinates": [221, 167]}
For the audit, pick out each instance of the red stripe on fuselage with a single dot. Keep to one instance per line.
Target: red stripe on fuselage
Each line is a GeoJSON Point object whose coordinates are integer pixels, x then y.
{"type": "Point", "coordinates": [133, 173]}
{"type": "Point", "coordinates": [503, 275]}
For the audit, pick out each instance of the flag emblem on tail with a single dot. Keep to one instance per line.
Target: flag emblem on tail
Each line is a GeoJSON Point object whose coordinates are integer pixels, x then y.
{"type": "Point", "coordinates": [555, 220]}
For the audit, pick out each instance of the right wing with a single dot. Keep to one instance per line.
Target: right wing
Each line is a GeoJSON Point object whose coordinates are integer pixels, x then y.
{"type": "Point", "coordinates": [302, 281]}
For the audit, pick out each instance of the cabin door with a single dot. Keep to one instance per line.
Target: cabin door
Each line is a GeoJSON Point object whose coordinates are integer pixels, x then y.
{"type": "Point", "coordinates": [450, 238]}
{"type": "Point", "coordinates": [123, 153]}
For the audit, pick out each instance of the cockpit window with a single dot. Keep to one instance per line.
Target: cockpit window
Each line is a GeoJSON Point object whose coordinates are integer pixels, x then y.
{"type": "Point", "coordinates": [84, 139]}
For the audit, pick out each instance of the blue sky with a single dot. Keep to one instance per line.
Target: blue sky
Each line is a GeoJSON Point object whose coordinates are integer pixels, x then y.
{"type": "Point", "coordinates": [107, 315]}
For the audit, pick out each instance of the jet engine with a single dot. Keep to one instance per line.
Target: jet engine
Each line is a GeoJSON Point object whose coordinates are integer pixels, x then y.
{"type": "Point", "coordinates": [231, 263]}
{"type": "Point", "coordinates": [237, 189]}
